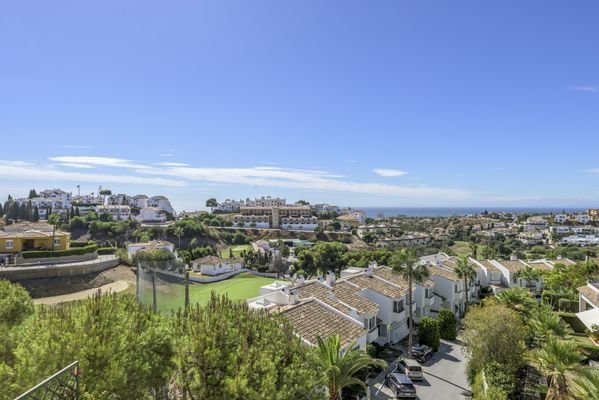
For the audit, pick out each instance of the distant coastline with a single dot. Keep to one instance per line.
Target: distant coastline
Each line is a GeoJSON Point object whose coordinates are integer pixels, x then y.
{"type": "Point", "coordinates": [373, 212]}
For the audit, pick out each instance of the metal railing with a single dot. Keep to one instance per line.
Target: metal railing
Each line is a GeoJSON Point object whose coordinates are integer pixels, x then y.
{"type": "Point", "coordinates": [63, 385]}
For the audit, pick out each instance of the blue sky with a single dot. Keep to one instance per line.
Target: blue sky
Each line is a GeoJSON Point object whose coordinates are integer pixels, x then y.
{"type": "Point", "coordinates": [387, 103]}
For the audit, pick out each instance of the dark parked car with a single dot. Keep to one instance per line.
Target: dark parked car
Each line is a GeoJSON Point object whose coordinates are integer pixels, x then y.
{"type": "Point", "coordinates": [401, 386]}
{"type": "Point", "coordinates": [422, 353]}
{"type": "Point", "coordinates": [414, 372]}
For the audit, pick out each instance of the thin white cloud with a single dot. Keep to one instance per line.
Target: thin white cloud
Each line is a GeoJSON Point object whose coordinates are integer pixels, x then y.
{"type": "Point", "coordinates": [387, 172]}
{"type": "Point", "coordinates": [592, 89]}
{"type": "Point", "coordinates": [593, 171]}
{"type": "Point", "coordinates": [166, 154]}
{"type": "Point", "coordinates": [73, 165]}
{"type": "Point", "coordinates": [303, 179]}
{"type": "Point", "coordinates": [12, 170]}
{"type": "Point", "coordinates": [172, 164]}
{"type": "Point", "coordinates": [15, 163]}
{"type": "Point", "coordinates": [76, 146]}
{"type": "Point", "coordinates": [98, 161]}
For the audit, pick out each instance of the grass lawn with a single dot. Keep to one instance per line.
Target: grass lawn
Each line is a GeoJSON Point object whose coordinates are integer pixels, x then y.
{"type": "Point", "coordinates": [461, 248]}
{"type": "Point", "coordinates": [172, 296]}
{"type": "Point", "coordinates": [237, 249]}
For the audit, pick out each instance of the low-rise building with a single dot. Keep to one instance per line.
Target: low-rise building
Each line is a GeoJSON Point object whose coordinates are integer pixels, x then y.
{"type": "Point", "coordinates": [278, 217]}
{"type": "Point", "coordinates": [16, 242]}
{"type": "Point", "coordinates": [228, 206]}
{"type": "Point", "coordinates": [581, 240]}
{"type": "Point", "coordinates": [212, 265]}
{"type": "Point", "coordinates": [531, 238]}
{"type": "Point", "coordinates": [408, 240]}
{"type": "Point", "coordinates": [151, 214]}
{"type": "Point", "coordinates": [117, 212]}
{"type": "Point", "coordinates": [161, 203]}
{"type": "Point", "coordinates": [133, 248]}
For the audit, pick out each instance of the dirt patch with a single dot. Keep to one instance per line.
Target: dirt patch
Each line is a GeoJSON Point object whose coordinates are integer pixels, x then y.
{"type": "Point", "coordinates": [65, 285]}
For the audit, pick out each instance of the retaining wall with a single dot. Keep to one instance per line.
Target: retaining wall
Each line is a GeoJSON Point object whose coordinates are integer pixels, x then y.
{"type": "Point", "coordinates": [55, 271]}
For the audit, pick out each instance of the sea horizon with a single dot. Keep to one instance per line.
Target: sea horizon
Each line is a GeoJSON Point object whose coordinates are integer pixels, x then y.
{"type": "Point", "coordinates": [373, 212]}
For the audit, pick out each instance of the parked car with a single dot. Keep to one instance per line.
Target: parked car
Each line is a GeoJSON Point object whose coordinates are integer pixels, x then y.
{"type": "Point", "coordinates": [422, 353]}
{"type": "Point", "coordinates": [414, 372]}
{"type": "Point", "coordinates": [401, 385]}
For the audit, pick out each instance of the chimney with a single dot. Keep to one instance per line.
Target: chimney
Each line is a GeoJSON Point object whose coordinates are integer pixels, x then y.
{"type": "Point", "coordinates": [330, 278]}
{"type": "Point", "coordinates": [368, 271]}
{"type": "Point", "coordinates": [294, 296]}
{"type": "Point", "coordinates": [300, 280]}
{"type": "Point", "coordinates": [513, 257]}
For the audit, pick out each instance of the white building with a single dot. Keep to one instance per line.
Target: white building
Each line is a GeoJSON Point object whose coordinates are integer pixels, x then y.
{"type": "Point", "coordinates": [229, 206]}
{"type": "Point", "coordinates": [212, 265]}
{"type": "Point", "coordinates": [266, 202]}
{"type": "Point", "coordinates": [531, 238]}
{"type": "Point", "coordinates": [325, 208]}
{"type": "Point", "coordinates": [117, 212]}
{"type": "Point", "coordinates": [582, 218]}
{"type": "Point", "coordinates": [581, 240]}
{"type": "Point", "coordinates": [133, 248]}
{"type": "Point", "coordinates": [151, 214]}
{"type": "Point", "coordinates": [162, 203]}
{"type": "Point", "coordinates": [139, 201]}
{"type": "Point", "coordinates": [560, 218]}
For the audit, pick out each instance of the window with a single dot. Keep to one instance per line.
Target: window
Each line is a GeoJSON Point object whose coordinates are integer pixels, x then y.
{"type": "Point", "coordinates": [398, 306]}
{"type": "Point", "coordinates": [9, 244]}
{"type": "Point", "coordinates": [56, 241]}
{"type": "Point", "coordinates": [370, 323]}
{"type": "Point", "coordinates": [429, 293]}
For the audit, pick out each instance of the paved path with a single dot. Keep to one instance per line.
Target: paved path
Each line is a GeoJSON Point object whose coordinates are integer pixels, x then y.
{"type": "Point", "coordinates": [113, 287]}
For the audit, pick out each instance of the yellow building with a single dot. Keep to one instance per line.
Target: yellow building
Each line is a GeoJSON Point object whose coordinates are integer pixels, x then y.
{"type": "Point", "coordinates": [15, 242]}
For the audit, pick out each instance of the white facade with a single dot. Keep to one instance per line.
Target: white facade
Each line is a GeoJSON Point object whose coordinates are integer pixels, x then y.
{"type": "Point", "coordinates": [117, 212]}
{"type": "Point", "coordinates": [560, 218]}
{"type": "Point", "coordinates": [133, 248]}
{"type": "Point", "coordinates": [151, 214]}
{"type": "Point", "coordinates": [162, 203]}
{"type": "Point", "coordinates": [229, 206]}
{"type": "Point", "coordinates": [582, 218]}
{"type": "Point", "coordinates": [140, 201]}
{"type": "Point", "coordinates": [581, 240]}
{"type": "Point", "coordinates": [266, 202]}
{"type": "Point", "coordinates": [212, 265]}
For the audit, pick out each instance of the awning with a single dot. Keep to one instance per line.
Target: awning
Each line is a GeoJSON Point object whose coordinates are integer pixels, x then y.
{"type": "Point", "coordinates": [589, 317]}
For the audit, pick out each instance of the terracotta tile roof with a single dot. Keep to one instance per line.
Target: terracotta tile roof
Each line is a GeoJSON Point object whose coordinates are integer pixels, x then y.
{"type": "Point", "coordinates": [489, 266]}
{"type": "Point", "coordinates": [589, 293]}
{"type": "Point", "coordinates": [544, 265]}
{"type": "Point", "coordinates": [322, 293]}
{"type": "Point", "coordinates": [311, 319]}
{"type": "Point", "coordinates": [387, 274]}
{"type": "Point", "coordinates": [513, 265]}
{"type": "Point", "coordinates": [214, 260]}
{"type": "Point", "coordinates": [563, 261]}
{"type": "Point", "coordinates": [378, 285]}
{"type": "Point", "coordinates": [31, 234]}
{"type": "Point", "coordinates": [444, 272]}
{"type": "Point", "coordinates": [350, 295]}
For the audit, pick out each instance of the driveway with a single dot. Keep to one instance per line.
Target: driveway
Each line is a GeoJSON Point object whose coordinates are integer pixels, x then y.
{"type": "Point", "coordinates": [444, 377]}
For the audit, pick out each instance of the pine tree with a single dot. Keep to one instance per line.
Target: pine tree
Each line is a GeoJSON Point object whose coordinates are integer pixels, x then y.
{"type": "Point", "coordinates": [32, 193]}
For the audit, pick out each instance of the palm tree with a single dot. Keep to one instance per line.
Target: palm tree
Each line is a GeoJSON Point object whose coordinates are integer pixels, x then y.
{"type": "Point", "coordinates": [179, 231]}
{"type": "Point", "coordinates": [465, 270]}
{"type": "Point", "coordinates": [518, 299]}
{"type": "Point", "coordinates": [586, 383]}
{"type": "Point", "coordinates": [405, 263]}
{"type": "Point", "coordinates": [341, 367]}
{"type": "Point", "coordinates": [53, 219]}
{"type": "Point", "coordinates": [528, 274]}
{"type": "Point", "coordinates": [474, 250]}
{"type": "Point", "coordinates": [545, 323]}
{"type": "Point", "coordinates": [557, 360]}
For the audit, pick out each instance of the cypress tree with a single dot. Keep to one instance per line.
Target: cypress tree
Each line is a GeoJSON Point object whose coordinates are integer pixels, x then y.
{"type": "Point", "coordinates": [1, 211]}
{"type": "Point", "coordinates": [36, 214]}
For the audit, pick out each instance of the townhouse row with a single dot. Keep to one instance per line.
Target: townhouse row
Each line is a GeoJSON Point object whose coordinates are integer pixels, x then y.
{"type": "Point", "coordinates": [371, 304]}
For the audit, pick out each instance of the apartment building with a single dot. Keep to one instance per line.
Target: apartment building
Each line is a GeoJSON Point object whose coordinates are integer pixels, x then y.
{"type": "Point", "coordinates": [117, 212]}
{"type": "Point", "coordinates": [266, 202]}
{"type": "Point", "coordinates": [229, 206]}
{"type": "Point", "coordinates": [279, 217]}
{"type": "Point", "coordinates": [162, 203]}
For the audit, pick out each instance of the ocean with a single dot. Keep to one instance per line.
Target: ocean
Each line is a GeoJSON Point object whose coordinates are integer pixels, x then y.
{"type": "Point", "coordinates": [374, 212]}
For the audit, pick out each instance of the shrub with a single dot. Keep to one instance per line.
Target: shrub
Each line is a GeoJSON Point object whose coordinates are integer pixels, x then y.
{"type": "Point", "coordinates": [81, 244]}
{"type": "Point", "coordinates": [77, 251]}
{"type": "Point", "coordinates": [574, 322]}
{"type": "Point", "coordinates": [428, 332]}
{"type": "Point", "coordinates": [447, 324]}
{"type": "Point", "coordinates": [563, 304]}
{"type": "Point", "coordinates": [106, 250]}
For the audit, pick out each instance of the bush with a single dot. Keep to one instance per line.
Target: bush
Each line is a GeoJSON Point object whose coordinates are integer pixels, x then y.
{"type": "Point", "coordinates": [106, 250]}
{"type": "Point", "coordinates": [563, 304]}
{"type": "Point", "coordinates": [81, 244]}
{"type": "Point", "coordinates": [77, 251]}
{"type": "Point", "coordinates": [428, 333]}
{"type": "Point", "coordinates": [447, 324]}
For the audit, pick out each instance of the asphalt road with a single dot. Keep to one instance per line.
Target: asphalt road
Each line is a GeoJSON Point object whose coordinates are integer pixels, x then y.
{"type": "Point", "coordinates": [444, 377]}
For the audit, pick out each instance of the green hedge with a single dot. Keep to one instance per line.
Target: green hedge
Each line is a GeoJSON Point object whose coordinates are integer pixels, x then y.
{"type": "Point", "coordinates": [107, 250]}
{"type": "Point", "coordinates": [572, 320]}
{"type": "Point", "coordinates": [81, 244]}
{"type": "Point", "coordinates": [77, 251]}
